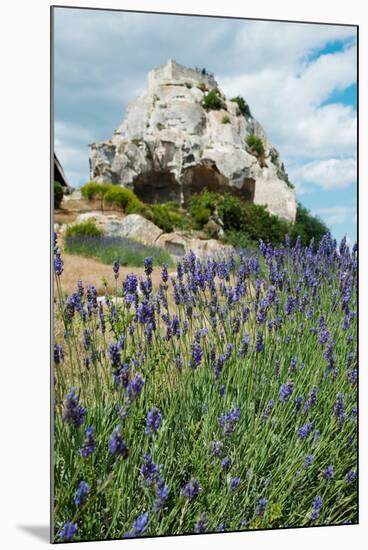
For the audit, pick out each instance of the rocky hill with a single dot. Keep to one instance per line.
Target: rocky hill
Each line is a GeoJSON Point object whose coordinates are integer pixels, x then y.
{"type": "Point", "coordinates": [182, 135]}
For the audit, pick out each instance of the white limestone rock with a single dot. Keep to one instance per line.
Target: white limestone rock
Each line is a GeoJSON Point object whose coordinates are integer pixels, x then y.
{"type": "Point", "coordinates": [169, 146]}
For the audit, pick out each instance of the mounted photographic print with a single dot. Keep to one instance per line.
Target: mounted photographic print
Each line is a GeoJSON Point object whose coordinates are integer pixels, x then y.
{"type": "Point", "coordinates": [204, 182]}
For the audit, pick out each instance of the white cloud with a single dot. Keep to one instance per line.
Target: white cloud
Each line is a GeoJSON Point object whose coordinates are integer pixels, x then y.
{"type": "Point", "coordinates": [328, 174]}
{"type": "Point", "coordinates": [335, 215]}
{"type": "Point", "coordinates": [102, 59]}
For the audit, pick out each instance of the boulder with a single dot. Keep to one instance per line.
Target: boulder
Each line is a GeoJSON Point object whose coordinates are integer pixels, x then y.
{"type": "Point", "coordinates": [169, 146]}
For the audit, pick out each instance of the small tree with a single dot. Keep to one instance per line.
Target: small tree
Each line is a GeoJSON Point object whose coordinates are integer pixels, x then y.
{"type": "Point", "coordinates": [255, 145]}
{"type": "Point", "coordinates": [212, 101]}
{"type": "Point", "coordinates": [242, 104]}
{"type": "Point", "coordinates": [58, 194]}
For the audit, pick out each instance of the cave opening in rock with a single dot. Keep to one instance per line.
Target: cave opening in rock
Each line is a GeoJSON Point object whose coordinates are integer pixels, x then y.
{"type": "Point", "coordinates": [197, 178]}
{"type": "Point", "coordinates": [156, 187]}
{"type": "Point", "coordinates": [248, 189]}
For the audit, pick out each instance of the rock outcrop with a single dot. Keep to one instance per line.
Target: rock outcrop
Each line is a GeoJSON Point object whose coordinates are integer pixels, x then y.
{"type": "Point", "coordinates": [171, 145]}
{"type": "Point", "coordinates": [137, 228]}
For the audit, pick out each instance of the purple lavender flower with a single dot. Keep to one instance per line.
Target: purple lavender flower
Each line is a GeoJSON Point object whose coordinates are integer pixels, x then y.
{"type": "Point", "coordinates": [81, 494]}
{"type": "Point", "coordinates": [116, 268]}
{"type": "Point", "coordinates": [139, 526]}
{"type": "Point", "coordinates": [68, 531]}
{"type": "Point", "coordinates": [259, 342]}
{"type": "Point", "coordinates": [310, 401]}
{"type": "Point", "coordinates": [58, 354]}
{"type": "Point", "coordinates": [228, 421]}
{"type": "Point", "coordinates": [201, 525]}
{"type": "Point", "coordinates": [225, 463]}
{"type": "Point", "coordinates": [164, 273]}
{"type": "Point", "coordinates": [222, 390]}
{"type": "Point", "coordinates": [153, 421]}
{"type": "Point", "coordinates": [117, 445]}
{"type": "Point", "coordinates": [73, 412]}
{"type": "Point", "coordinates": [134, 387]}
{"type": "Point", "coordinates": [305, 430]}
{"type": "Point", "coordinates": [244, 345]}
{"type": "Point", "coordinates": [88, 445]}
{"type": "Point", "coordinates": [162, 494]}
{"type": "Point", "coordinates": [261, 506]}
{"type": "Point", "coordinates": [149, 470]}
{"type": "Point", "coordinates": [339, 410]}
{"type": "Point", "coordinates": [216, 448]}
{"type": "Point", "coordinates": [191, 489]}
{"type": "Point", "coordinates": [308, 461]}
{"type": "Point", "coordinates": [148, 262]}
{"type": "Point", "coordinates": [285, 391]}
{"type": "Point", "coordinates": [197, 355]}
{"type": "Point", "coordinates": [317, 507]}
{"type": "Point", "coordinates": [234, 483]}
{"type": "Point", "coordinates": [328, 472]}
{"type": "Point", "coordinates": [58, 263]}
{"type": "Point", "coordinates": [351, 476]}
{"type": "Point", "coordinates": [220, 528]}
{"type": "Point", "coordinates": [268, 409]}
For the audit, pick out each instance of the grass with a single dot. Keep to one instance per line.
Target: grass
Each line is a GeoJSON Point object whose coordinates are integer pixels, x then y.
{"type": "Point", "coordinates": [109, 249]}
{"type": "Point", "coordinates": [231, 335]}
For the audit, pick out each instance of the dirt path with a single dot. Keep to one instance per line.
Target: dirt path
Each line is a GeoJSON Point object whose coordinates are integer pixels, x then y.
{"type": "Point", "coordinates": [91, 271]}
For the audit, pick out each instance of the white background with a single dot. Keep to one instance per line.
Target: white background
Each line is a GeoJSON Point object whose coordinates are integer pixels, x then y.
{"type": "Point", "coordinates": [24, 271]}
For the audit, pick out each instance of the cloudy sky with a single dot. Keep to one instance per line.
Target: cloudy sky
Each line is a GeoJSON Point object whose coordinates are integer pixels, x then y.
{"type": "Point", "coordinates": [299, 80]}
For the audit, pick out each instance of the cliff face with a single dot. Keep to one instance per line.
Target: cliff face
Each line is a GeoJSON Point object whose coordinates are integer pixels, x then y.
{"type": "Point", "coordinates": [171, 145]}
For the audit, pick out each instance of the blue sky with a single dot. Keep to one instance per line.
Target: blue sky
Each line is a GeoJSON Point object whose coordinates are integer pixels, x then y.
{"type": "Point", "coordinates": [299, 80]}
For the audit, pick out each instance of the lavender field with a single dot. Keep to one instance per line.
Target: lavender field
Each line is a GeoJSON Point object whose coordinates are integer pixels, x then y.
{"type": "Point", "coordinates": [223, 400]}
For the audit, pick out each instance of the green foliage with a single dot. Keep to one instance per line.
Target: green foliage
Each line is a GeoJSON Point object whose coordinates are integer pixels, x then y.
{"type": "Point", "coordinates": [85, 229]}
{"type": "Point", "coordinates": [125, 199]}
{"type": "Point", "coordinates": [201, 206]}
{"type": "Point", "coordinates": [94, 189]}
{"type": "Point", "coordinates": [242, 104]}
{"type": "Point", "coordinates": [255, 145]}
{"type": "Point", "coordinates": [307, 226]}
{"type": "Point", "coordinates": [212, 101]}
{"type": "Point", "coordinates": [274, 155]}
{"type": "Point", "coordinates": [58, 194]}
{"type": "Point", "coordinates": [225, 119]}
{"type": "Point", "coordinates": [168, 217]}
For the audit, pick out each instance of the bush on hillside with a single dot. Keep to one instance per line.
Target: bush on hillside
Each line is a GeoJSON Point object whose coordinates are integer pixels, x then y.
{"type": "Point", "coordinates": [123, 198]}
{"type": "Point", "coordinates": [93, 190]}
{"type": "Point", "coordinates": [85, 229]}
{"type": "Point", "coordinates": [308, 227]}
{"type": "Point", "coordinates": [212, 101]}
{"type": "Point", "coordinates": [242, 104]}
{"type": "Point", "coordinates": [255, 145]}
{"type": "Point", "coordinates": [225, 119]}
{"type": "Point", "coordinates": [168, 217]}
{"type": "Point", "coordinates": [58, 194]}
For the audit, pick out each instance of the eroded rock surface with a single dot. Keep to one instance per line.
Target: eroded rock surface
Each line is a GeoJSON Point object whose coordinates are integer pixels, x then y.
{"type": "Point", "coordinates": [169, 146]}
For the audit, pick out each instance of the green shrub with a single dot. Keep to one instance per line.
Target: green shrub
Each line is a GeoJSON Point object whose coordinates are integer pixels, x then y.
{"type": "Point", "coordinates": [201, 206]}
{"type": "Point", "coordinates": [94, 189]}
{"type": "Point", "coordinates": [121, 197]}
{"type": "Point", "coordinates": [162, 218]}
{"type": "Point", "coordinates": [240, 239]}
{"type": "Point", "coordinates": [308, 227]}
{"type": "Point", "coordinates": [225, 119]}
{"type": "Point", "coordinates": [85, 229]}
{"type": "Point", "coordinates": [58, 194]}
{"type": "Point", "coordinates": [212, 101]}
{"type": "Point", "coordinates": [274, 155]}
{"type": "Point", "coordinates": [255, 145]}
{"type": "Point", "coordinates": [242, 104]}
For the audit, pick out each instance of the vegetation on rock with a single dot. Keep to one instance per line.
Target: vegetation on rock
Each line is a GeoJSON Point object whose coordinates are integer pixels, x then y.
{"type": "Point", "coordinates": [243, 105]}
{"type": "Point", "coordinates": [255, 145]}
